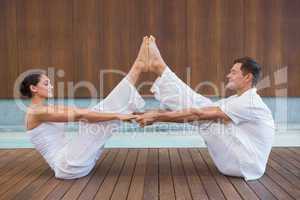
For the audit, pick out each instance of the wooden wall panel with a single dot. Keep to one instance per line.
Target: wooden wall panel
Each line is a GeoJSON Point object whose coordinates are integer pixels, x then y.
{"type": "Point", "coordinates": [199, 40]}
{"type": "Point", "coordinates": [45, 39]}
{"type": "Point", "coordinates": [215, 38]}
{"type": "Point", "coordinates": [291, 40]}
{"type": "Point", "coordinates": [203, 37]}
{"type": "Point", "coordinates": [9, 62]}
{"type": "Point", "coordinates": [4, 50]}
{"type": "Point", "coordinates": [87, 51]}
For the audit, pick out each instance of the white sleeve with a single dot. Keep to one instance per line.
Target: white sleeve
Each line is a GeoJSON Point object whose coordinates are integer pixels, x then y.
{"type": "Point", "coordinates": [237, 110]}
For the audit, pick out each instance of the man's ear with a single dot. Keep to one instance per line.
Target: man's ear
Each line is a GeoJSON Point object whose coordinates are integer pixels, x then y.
{"type": "Point", "coordinates": [249, 77]}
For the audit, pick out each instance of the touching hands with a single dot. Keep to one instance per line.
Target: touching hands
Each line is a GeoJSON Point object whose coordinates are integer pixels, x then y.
{"type": "Point", "coordinates": [146, 119]}
{"type": "Point", "coordinates": [143, 118]}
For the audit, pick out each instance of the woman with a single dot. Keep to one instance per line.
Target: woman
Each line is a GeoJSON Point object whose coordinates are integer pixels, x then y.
{"type": "Point", "coordinates": [76, 157]}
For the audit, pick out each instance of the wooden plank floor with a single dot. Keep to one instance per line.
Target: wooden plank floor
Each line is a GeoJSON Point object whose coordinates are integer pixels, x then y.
{"type": "Point", "coordinates": [148, 174]}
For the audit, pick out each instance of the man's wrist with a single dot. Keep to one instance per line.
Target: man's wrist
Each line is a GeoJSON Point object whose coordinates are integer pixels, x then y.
{"type": "Point", "coordinates": [117, 117]}
{"type": "Point", "coordinates": [159, 116]}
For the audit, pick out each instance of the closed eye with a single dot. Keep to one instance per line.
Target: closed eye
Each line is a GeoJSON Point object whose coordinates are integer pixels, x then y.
{"type": "Point", "coordinates": [46, 82]}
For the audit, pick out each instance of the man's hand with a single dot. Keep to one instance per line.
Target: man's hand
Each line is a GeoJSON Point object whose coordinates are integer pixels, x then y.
{"type": "Point", "coordinates": [147, 118]}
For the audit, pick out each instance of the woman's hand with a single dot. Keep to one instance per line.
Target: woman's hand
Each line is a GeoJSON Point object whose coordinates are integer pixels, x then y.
{"type": "Point", "coordinates": [126, 117]}
{"type": "Point", "coordinates": [147, 118]}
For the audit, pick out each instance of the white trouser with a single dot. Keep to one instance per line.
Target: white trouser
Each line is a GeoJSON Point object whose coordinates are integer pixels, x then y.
{"type": "Point", "coordinates": [79, 156]}
{"type": "Point", "coordinates": [174, 93]}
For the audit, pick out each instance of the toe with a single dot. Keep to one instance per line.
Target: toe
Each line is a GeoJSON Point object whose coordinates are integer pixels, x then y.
{"type": "Point", "coordinates": [145, 38]}
{"type": "Point", "coordinates": [152, 38]}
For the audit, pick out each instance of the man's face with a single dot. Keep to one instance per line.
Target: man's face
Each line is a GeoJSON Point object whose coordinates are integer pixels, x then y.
{"type": "Point", "coordinates": [236, 79]}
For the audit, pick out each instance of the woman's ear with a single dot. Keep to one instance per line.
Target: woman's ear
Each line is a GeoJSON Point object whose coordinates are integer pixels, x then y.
{"type": "Point", "coordinates": [33, 88]}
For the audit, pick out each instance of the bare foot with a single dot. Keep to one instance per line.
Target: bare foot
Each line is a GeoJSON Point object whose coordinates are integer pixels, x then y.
{"type": "Point", "coordinates": [142, 60]}
{"type": "Point", "coordinates": [141, 63]}
{"type": "Point", "coordinates": [156, 62]}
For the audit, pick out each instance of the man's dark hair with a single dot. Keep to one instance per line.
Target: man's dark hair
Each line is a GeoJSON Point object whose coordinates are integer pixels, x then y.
{"type": "Point", "coordinates": [249, 65]}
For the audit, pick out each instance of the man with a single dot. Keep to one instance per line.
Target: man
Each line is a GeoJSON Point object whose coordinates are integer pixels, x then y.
{"type": "Point", "coordinates": [241, 143]}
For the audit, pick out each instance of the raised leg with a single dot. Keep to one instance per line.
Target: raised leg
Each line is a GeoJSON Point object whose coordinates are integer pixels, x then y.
{"type": "Point", "coordinates": [168, 88]}
{"type": "Point", "coordinates": [80, 155]}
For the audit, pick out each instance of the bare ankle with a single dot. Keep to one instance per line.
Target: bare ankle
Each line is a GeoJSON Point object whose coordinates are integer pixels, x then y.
{"type": "Point", "coordinates": [134, 73]}
{"type": "Point", "coordinates": [158, 67]}
{"type": "Point", "coordinates": [138, 66]}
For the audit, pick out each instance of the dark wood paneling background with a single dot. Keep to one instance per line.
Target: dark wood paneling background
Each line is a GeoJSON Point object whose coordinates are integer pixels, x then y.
{"type": "Point", "coordinates": [202, 37]}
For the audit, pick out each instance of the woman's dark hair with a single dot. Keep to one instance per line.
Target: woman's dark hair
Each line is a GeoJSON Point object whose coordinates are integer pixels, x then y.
{"type": "Point", "coordinates": [31, 79]}
{"type": "Point", "coordinates": [249, 65]}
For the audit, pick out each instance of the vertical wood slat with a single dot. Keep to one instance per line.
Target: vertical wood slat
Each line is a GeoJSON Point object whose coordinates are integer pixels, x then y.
{"type": "Point", "coordinates": [9, 57]}
{"type": "Point", "coordinates": [227, 188]}
{"type": "Point", "coordinates": [194, 181]}
{"type": "Point", "coordinates": [71, 189]}
{"type": "Point", "coordinates": [210, 184]}
{"type": "Point", "coordinates": [123, 184]}
{"type": "Point", "coordinates": [17, 169]}
{"type": "Point", "coordinates": [182, 191]}
{"type": "Point", "coordinates": [27, 192]}
{"type": "Point", "coordinates": [8, 157]}
{"type": "Point", "coordinates": [137, 184]}
{"type": "Point", "coordinates": [82, 37]}
{"type": "Point", "coordinates": [276, 168]}
{"type": "Point", "coordinates": [79, 185]}
{"type": "Point", "coordinates": [151, 184]}
{"type": "Point", "coordinates": [275, 188]}
{"type": "Point", "coordinates": [108, 186]}
{"type": "Point", "coordinates": [90, 190]}
{"type": "Point", "coordinates": [14, 178]}
{"type": "Point", "coordinates": [166, 184]}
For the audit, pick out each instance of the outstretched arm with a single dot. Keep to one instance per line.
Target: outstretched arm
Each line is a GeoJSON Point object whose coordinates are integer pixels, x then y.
{"type": "Point", "coordinates": [69, 114]}
{"type": "Point", "coordinates": [183, 116]}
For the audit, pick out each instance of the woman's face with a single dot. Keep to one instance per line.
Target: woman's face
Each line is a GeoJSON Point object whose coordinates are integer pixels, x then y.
{"type": "Point", "coordinates": [43, 88]}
